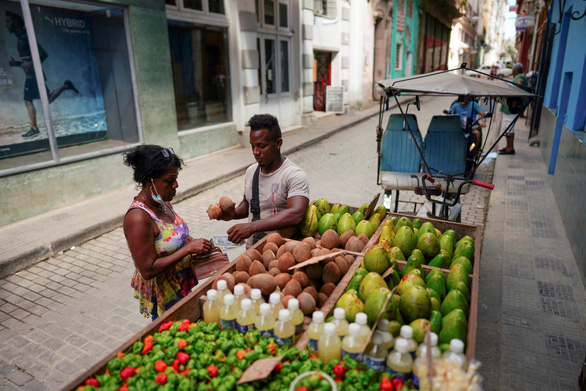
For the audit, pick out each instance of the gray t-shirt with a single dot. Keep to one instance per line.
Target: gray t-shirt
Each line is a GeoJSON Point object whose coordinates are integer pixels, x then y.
{"type": "Point", "coordinates": [275, 188]}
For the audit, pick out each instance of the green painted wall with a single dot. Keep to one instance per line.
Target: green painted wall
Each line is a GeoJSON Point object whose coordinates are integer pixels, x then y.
{"type": "Point", "coordinates": [409, 41]}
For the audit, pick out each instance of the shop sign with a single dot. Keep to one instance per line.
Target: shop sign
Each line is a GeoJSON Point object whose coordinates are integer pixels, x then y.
{"type": "Point", "coordinates": [523, 22]}
{"type": "Point", "coordinates": [334, 99]}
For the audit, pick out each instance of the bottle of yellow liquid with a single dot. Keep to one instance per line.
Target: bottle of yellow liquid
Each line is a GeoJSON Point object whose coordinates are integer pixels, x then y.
{"type": "Point", "coordinates": [296, 317]}
{"type": "Point", "coordinates": [228, 313]}
{"type": "Point", "coordinates": [376, 353]}
{"type": "Point", "coordinates": [315, 330]}
{"type": "Point", "coordinates": [407, 334]}
{"type": "Point", "coordinates": [421, 365]}
{"type": "Point", "coordinates": [383, 328]}
{"type": "Point", "coordinates": [399, 361]}
{"type": "Point", "coordinates": [362, 320]}
{"type": "Point", "coordinates": [456, 353]}
{"type": "Point", "coordinates": [435, 351]}
{"type": "Point", "coordinates": [211, 308]}
{"type": "Point", "coordinates": [353, 343]}
{"type": "Point", "coordinates": [340, 322]}
{"type": "Point", "coordinates": [257, 300]}
{"type": "Point", "coordinates": [238, 295]}
{"type": "Point", "coordinates": [222, 289]}
{"type": "Point", "coordinates": [329, 346]}
{"type": "Point", "coordinates": [275, 302]}
{"type": "Point", "coordinates": [265, 321]}
{"type": "Point", "coordinates": [284, 329]}
{"type": "Point", "coordinates": [246, 317]}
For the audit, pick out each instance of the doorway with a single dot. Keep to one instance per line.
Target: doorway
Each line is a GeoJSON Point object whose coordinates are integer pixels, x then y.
{"type": "Point", "coordinates": [323, 77]}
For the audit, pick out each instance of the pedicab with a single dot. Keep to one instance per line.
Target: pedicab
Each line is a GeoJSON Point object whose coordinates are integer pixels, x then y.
{"type": "Point", "coordinates": [443, 164]}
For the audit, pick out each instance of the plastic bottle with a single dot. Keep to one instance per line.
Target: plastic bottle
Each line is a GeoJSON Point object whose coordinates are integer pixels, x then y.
{"type": "Point", "coordinates": [284, 329]}
{"type": "Point", "coordinates": [383, 328]}
{"type": "Point", "coordinates": [353, 343]}
{"type": "Point", "coordinates": [407, 334]}
{"type": "Point", "coordinates": [296, 317]}
{"type": "Point", "coordinates": [228, 313]}
{"type": "Point", "coordinates": [420, 365]}
{"type": "Point", "coordinates": [246, 316]}
{"type": "Point", "coordinates": [315, 330]}
{"type": "Point", "coordinates": [257, 300]}
{"type": "Point", "coordinates": [422, 349]}
{"type": "Point", "coordinates": [399, 361]}
{"type": "Point", "coordinates": [265, 321]}
{"type": "Point", "coordinates": [239, 295]}
{"type": "Point", "coordinates": [329, 346]}
{"type": "Point", "coordinates": [376, 353]}
{"type": "Point", "coordinates": [222, 288]}
{"type": "Point", "coordinates": [275, 302]}
{"type": "Point", "coordinates": [456, 353]}
{"type": "Point", "coordinates": [362, 320]}
{"type": "Point", "coordinates": [340, 322]}
{"type": "Point", "coordinates": [211, 308]}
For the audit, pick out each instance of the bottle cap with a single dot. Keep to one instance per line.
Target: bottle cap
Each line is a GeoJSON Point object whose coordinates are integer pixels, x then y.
{"type": "Point", "coordinates": [406, 332]}
{"type": "Point", "coordinates": [274, 298]}
{"type": "Point", "coordinates": [265, 309]}
{"type": "Point", "coordinates": [318, 317]}
{"type": "Point", "coordinates": [222, 285]}
{"type": "Point", "coordinates": [354, 329]}
{"type": "Point", "coordinates": [293, 305]}
{"type": "Point", "coordinates": [238, 290]}
{"type": "Point", "coordinates": [229, 299]}
{"type": "Point", "coordinates": [255, 294]}
{"type": "Point", "coordinates": [434, 338]}
{"type": "Point", "coordinates": [361, 318]}
{"type": "Point", "coordinates": [383, 325]}
{"type": "Point", "coordinates": [246, 304]}
{"type": "Point", "coordinates": [401, 345]}
{"type": "Point", "coordinates": [457, 346]}
{"type": "Point", "coordinates": [340, 313]}
{"type": "Point", "coordinates": [330, 328]}
{"type": "Point", "coordinates": [212, 294]}
{"type": "Point", "coordinates": [377, 338]}
{"type": "Point", "coordinates": [284, 315]}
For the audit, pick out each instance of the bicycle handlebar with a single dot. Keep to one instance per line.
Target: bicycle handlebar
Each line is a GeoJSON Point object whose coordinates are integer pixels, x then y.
{"type": "Point", "coordinates": [489, 186]}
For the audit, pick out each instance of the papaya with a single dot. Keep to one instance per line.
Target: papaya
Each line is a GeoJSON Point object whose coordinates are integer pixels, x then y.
{"type": "Point", "coordinates": [433, 272]}
{"type": "Point", "coordinates": [464, 250]}
{"type": "Point", "coordinates": [454, 325]}
{"type": "Point", "coordinates": [382, 211]}
{"type": "Point", "coordinates": [371, 282]}
{"type": "Point", "coordinates": [414, 303]}
{"type": "Point", "coordinates": [426, 227]}
{"type": "Point", "coordinates": [457, 273]}
{"type": "Point", "coordinates": [416, 223]}
{"type": "Point", "coordinates": [450, 233]}
{"type": "Point", "coordinates": [395, 328]}
{"type": "Point", "coordinates": [355, 282]}
{"type": "Point", "coordinates": [393, 279]}
{"type": "Point", "coordinates": [438, 285]}
{"type": "Point", "coordinates": [429, 244]}
{"type": "Point", "coordinates": [365, 227]}
{"type": "Point", "coordinates": [440, 260]}
{"type": "Point", "coordinates": [393, 221]}
{"type": "Point", "coordinates": [322, 206]}
{"type": "Point", "coordinates": [459, 285]}
{"type": "Point", "coordinates": [436, 321]}
{"type": "Point", "coordinates": [397, 254]}
{"type": "Point", "coordinates": [466, 239]}
{"type": "Point", "coordinates": [435, 304]}
{"type": "Point", "coordinates": [420, 328]}
{"type": "Point", "coordinates": [447, 244]}
{"type": "Point", "coordinates": [374, 305]}
{"type": "Point", "coordinates": [432, 293]}
{"type": "Point", "coordinates": [358, 217]}
{"type": "Point", "coordinates": [327, 221]}
{"type": "Point", "coordinates": [409, 280]}
{"type": "Point", "coordinates": [405, 239]}
{"type": "Point", "coordinates": [403, 222]}
{"type": "Point", "coordinates": [377, 259]}
{"type": "Point", "coordinates": [455, 300]}
{"type": "Point", "coordinates": [464, 262]}
{"type": "Point", "coordinates": [345, 223]}
{"type": "Point", "coordinates": [310, 221]}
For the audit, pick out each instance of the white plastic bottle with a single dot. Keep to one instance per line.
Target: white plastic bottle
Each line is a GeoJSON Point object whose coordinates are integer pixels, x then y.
{"type": "Point", "coordinates": [456, 353]}
{"type": "Point", "coordinates": [315, 330]}
{"type": "Point", "coordinates": [239, 295]}
{"type": "Point", "coordinates": [422, 349]}
{"type": "Point", "coordinates": [399, 361]}
{"type": "Point", "coordinates": [296, 317]}
{"type": "Point", "coordinates": [265, 321]}
{"type": "Point", "coordinates": [353, 343]}
{"type": "Point", "coordinates": [421, 364]}
{"type": "Point", "coordinates": [284, 329]}
{"type": "Point", "coordinates": [228, 313]}
{"type": "Point", "coordinates": [246, 316]}
{"type": "Point", "coordinates": [362, 320]}
{"type": "Point", "coordinates": [211, 308]}
{"type": "Point", "coordinates": [383, 328]}
{"type": "Point", "coordinates": [407, 335]}
{"type": "Point", "coordinates": [257, 300]}
{"type": "Point", "coordinates": [329, 346]}
{"type": "Point", "coordinates": [222, 288]}
{"type": "Point", "coordinates": [376, 353]}
{"type": "Point", "coordinates": [275, 302]}
{"type": "Point", "coordinates": [340, 322]}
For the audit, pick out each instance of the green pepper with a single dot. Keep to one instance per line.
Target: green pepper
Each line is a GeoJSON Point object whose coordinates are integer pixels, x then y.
{"type": "Point", "coordinates": [237, 372]}
{"type": "Point", "coordinates": [295, 365]}
{"type": "Point", "coordinates": [305, 367]}
{"type": "Point", "coordinates": [114, 364]}
{"type": "Point", "coordinates": [252, 356]}
{"type": "Point", "coordinates": [304, 355]}
{"type": "Point", "coordinates": [350, 363]}
{"type": "Point", "coordinates": [137, 347]}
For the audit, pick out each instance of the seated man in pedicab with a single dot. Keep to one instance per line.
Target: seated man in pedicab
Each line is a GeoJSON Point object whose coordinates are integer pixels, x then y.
{"type": "Point", "coordinates": [468, 110]}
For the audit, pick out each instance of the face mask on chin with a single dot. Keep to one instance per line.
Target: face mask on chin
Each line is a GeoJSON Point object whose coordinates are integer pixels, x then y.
{"type": "Point", "coordinates": [155, 196]}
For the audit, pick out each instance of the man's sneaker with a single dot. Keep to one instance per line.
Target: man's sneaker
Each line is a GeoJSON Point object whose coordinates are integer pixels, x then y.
{"type": "Point", "coordinates": [69, 86]}
{"type": "Point", "coordinates": [505, 152]}
{"type": "Point", "coordinates": [31, 133]}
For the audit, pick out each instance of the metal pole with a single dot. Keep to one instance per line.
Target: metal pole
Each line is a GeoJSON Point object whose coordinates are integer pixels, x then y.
{"type": "Point", "coordinates": [32, 40]}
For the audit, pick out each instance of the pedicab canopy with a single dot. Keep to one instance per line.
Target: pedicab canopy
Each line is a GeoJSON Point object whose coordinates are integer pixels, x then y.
{"type": "Point", "coordinates": [451, 83]}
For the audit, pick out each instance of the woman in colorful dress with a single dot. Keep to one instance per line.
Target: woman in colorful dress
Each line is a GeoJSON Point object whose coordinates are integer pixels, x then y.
{"type": "Point", "coordinates": [158, 239]}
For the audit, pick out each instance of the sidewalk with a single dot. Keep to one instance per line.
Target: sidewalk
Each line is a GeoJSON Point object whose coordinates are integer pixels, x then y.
{"type": "Point", "coordinates": [29, 241]}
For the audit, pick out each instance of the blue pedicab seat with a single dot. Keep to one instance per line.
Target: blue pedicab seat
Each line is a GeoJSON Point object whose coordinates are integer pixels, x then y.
{"type": "Point", "coordinates": [400, 158]}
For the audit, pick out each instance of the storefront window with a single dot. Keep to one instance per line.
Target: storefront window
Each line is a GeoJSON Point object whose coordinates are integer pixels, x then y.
{"type": "Point", "coordinates": [85, 62]}
{"type": "Point", "coordinates": [199, 59]}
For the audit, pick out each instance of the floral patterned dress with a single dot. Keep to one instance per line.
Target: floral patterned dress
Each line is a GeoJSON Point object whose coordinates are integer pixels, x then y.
{"type": "Point", "coordinates": [174, 283]}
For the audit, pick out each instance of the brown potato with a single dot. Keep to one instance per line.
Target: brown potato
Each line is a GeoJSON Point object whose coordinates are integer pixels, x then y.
{"type": "Point", "coordinates": [354, 244]}
{"type": "Point", "coordinates": [327, 289]}
{"type": "Point", "coordinates": [243, 263]}
{"type": "Point", "coordinates": [274, 272]}
{"type": "Point", "coordinates": [312, 291]}
{"type": "Point", "coordinates": [345, 236]}
{"type": "Point", "coordinates": [254, 254]}
{"type": "Point", "coordinates": [214, 212]}
{"type": "Point", "coordinates": [315, 252]}
{"type": "Point", "coordinates": [240, 276]}
{"type": "Point", "coordinates": [270, 246]}
{"type": "Point", "coordinates": [302, 278]}
{"type": "Point", "coordinates": [292, 288]}
{"type": "Point", "coordinates": [330, 239]}
{"type": "Point", "coordinates": [282, 279]}
{"type": "Point", "coordinates": [331, 273]}
{"type": "Point", "coordinates": [290, 246]}
{"type": "Point", "coordinates": [310, 241]}
{"type": "Point", "coordinates": [322, 298]}
{"type": "Point", "coordinates": [301, 252]}
{"type": "Point", "coordinates": [265, 282]}
{"type": "Point", "coordinates": [285, 300]}
{"type": "Point", "coordinates": [314, 271]}
{"type": "Point", "coordinates": [276, 238]}
{"type": "Point", "coordinates": [226, 204]}
{"type": "Point", "coordinates": [256, 268]}
{"type": "Point", "coordinates": [274, 263]}
{"type": "Point", "coordinates": [267, 257]}
{"type": "Point", "coordinates": [285, 262]}
{"type": "Point", "coordinates": [306, 303]}
{"type": "Point", "coordinates": [349, 260]}
{"type": "Point", "coordinates": [229, 281]}
{"type": "Point", "coordinates": [342, 265]}
{"type": "Point", "coordinates": [281, 251]}
{"type": "Point", "coordinates": [364, 238]}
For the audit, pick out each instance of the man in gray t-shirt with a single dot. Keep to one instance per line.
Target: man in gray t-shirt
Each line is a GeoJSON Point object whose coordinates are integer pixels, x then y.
{"type": "Point", "coordinates": [282, 186]}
